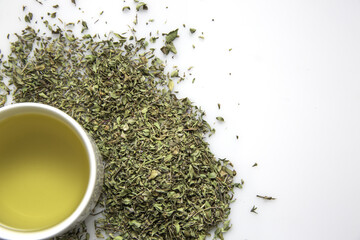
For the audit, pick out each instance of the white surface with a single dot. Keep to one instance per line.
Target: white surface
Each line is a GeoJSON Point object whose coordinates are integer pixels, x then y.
{"type": "Point", "coordinates": [295, 73]}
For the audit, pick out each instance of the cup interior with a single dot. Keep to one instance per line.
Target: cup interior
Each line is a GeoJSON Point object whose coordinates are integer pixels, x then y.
{"type": "Point", "coordinates": [46, 178]}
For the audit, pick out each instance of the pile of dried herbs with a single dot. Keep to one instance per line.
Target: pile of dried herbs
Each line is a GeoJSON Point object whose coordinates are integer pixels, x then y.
{"type": "Point", "coordinates": [162, 181]}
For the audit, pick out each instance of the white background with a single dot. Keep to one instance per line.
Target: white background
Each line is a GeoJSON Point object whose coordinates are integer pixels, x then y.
{"type": "Point", "coordinates": [293, 98]}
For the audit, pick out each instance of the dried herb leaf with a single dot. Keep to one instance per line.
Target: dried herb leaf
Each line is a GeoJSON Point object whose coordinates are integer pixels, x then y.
{"type": "Point", "coordinates": [28, 17]}
{"type": "Point", "coordinates": [141, 5]}
{"type": "Point", "coordinates": [126, 8]}
{"type": "Point", "coordinates": [168, 48]}
{"type": "Point", "coordinates": [253, 209]}
{"type": "Point", "coordinates": [265, 197]}
{"type": "Point", "coordinates": [171, 85]}
{"type": "Point", "coordinates": [2, 100]}
{"type": "Point", "coordinates": [170, 37]}
{"type": "Point", "coordinates": [175, 73]}
{"type": "Point", "coordinates": [221, 119]}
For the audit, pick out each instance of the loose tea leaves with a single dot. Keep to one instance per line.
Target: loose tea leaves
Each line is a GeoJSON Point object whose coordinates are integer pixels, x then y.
{"type": "Point", "coordinates": [161, 180]}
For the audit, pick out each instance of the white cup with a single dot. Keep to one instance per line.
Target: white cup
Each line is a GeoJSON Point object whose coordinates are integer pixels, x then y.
{"type": "Point", "coordinates": [95, 180]}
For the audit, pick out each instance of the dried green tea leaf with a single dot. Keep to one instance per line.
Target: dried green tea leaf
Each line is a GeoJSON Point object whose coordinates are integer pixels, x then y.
{"type": "Point", "coordinates": [28, 17]}
{"type": "Point", "coordinates": [212, 175]}
{"type": "Point", "coordinates": [153, 39]}
{"type": "Point", "coordinates": [170, 37]}
{"type": "Point", "coordinates": [126, 8]}
{"type": "Point", "coordinates": [265, 197]}
{"type": "Point", "coordinates": [135, 223]}
{"type": "Point", "coordinates": [153, 174]}
{"type": "Point", "coordinates": [69, 37]}
{"type": "Point", "coordinates": [253, 209]}
{"type": "Point", "coordinates": [2, 100]}
{"type": "Point", "coordinates": [119, 36]}
{"type": "Point", "coordinates": [43, 95]}
{"type": "Point", "coordinates": [221, 119]}
{"type": "Point", "coordinates": [177, 227]}
{"type": "Point", "coordinates": [84, 26]}
{"type": "Point", "coordinates": [175, 73]}
{"type": "Point", "coordinates": [136, 19]}
{"type": "Point", "coordinates": [192, 30]}
{"type": "Point", "coordinates": [56, 6]}
{"type": "Point", "coordinates": [4, 87]}
{"type": "Point", "coordinates": [141, 5]}
{"type": "Point", "coordinates": [171, 85]}
{"type": "Point", "coordinates": [168, 48]}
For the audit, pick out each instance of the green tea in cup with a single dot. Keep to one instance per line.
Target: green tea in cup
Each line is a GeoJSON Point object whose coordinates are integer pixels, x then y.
{"type": "Point", "coordinates": [44, 171]}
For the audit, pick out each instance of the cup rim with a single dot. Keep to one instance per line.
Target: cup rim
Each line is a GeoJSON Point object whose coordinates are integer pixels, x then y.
{"type": "Point", "coordinates": [7, 233]}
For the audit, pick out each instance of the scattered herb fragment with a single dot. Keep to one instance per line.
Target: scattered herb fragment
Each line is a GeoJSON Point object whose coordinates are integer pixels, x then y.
{"type": "Point", "coordinates": [28, 17]}
{"type": "Point", "coordinates": [221, 119]}
{"type": "Point", "coordinates": [253, 209]}
{"type": "Point", "coordinates": [168, 48]}
{"type": "Point", "coordinates": [39, 2]}
{"type": "Point", "coordinates": [153, 39]}
{"type": "Point", "coordinates": [265, 197]}
{"type": "Point", "coordinates": [175, 73]}
{"type": "Point", "coordinates": [126, 8]}
{"type": "Point", "coordinates": [170, 37]}
{"type": "Point", "coordinates": [84, 26]}
{"type": "Point", "coordinates": [141, 5]}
